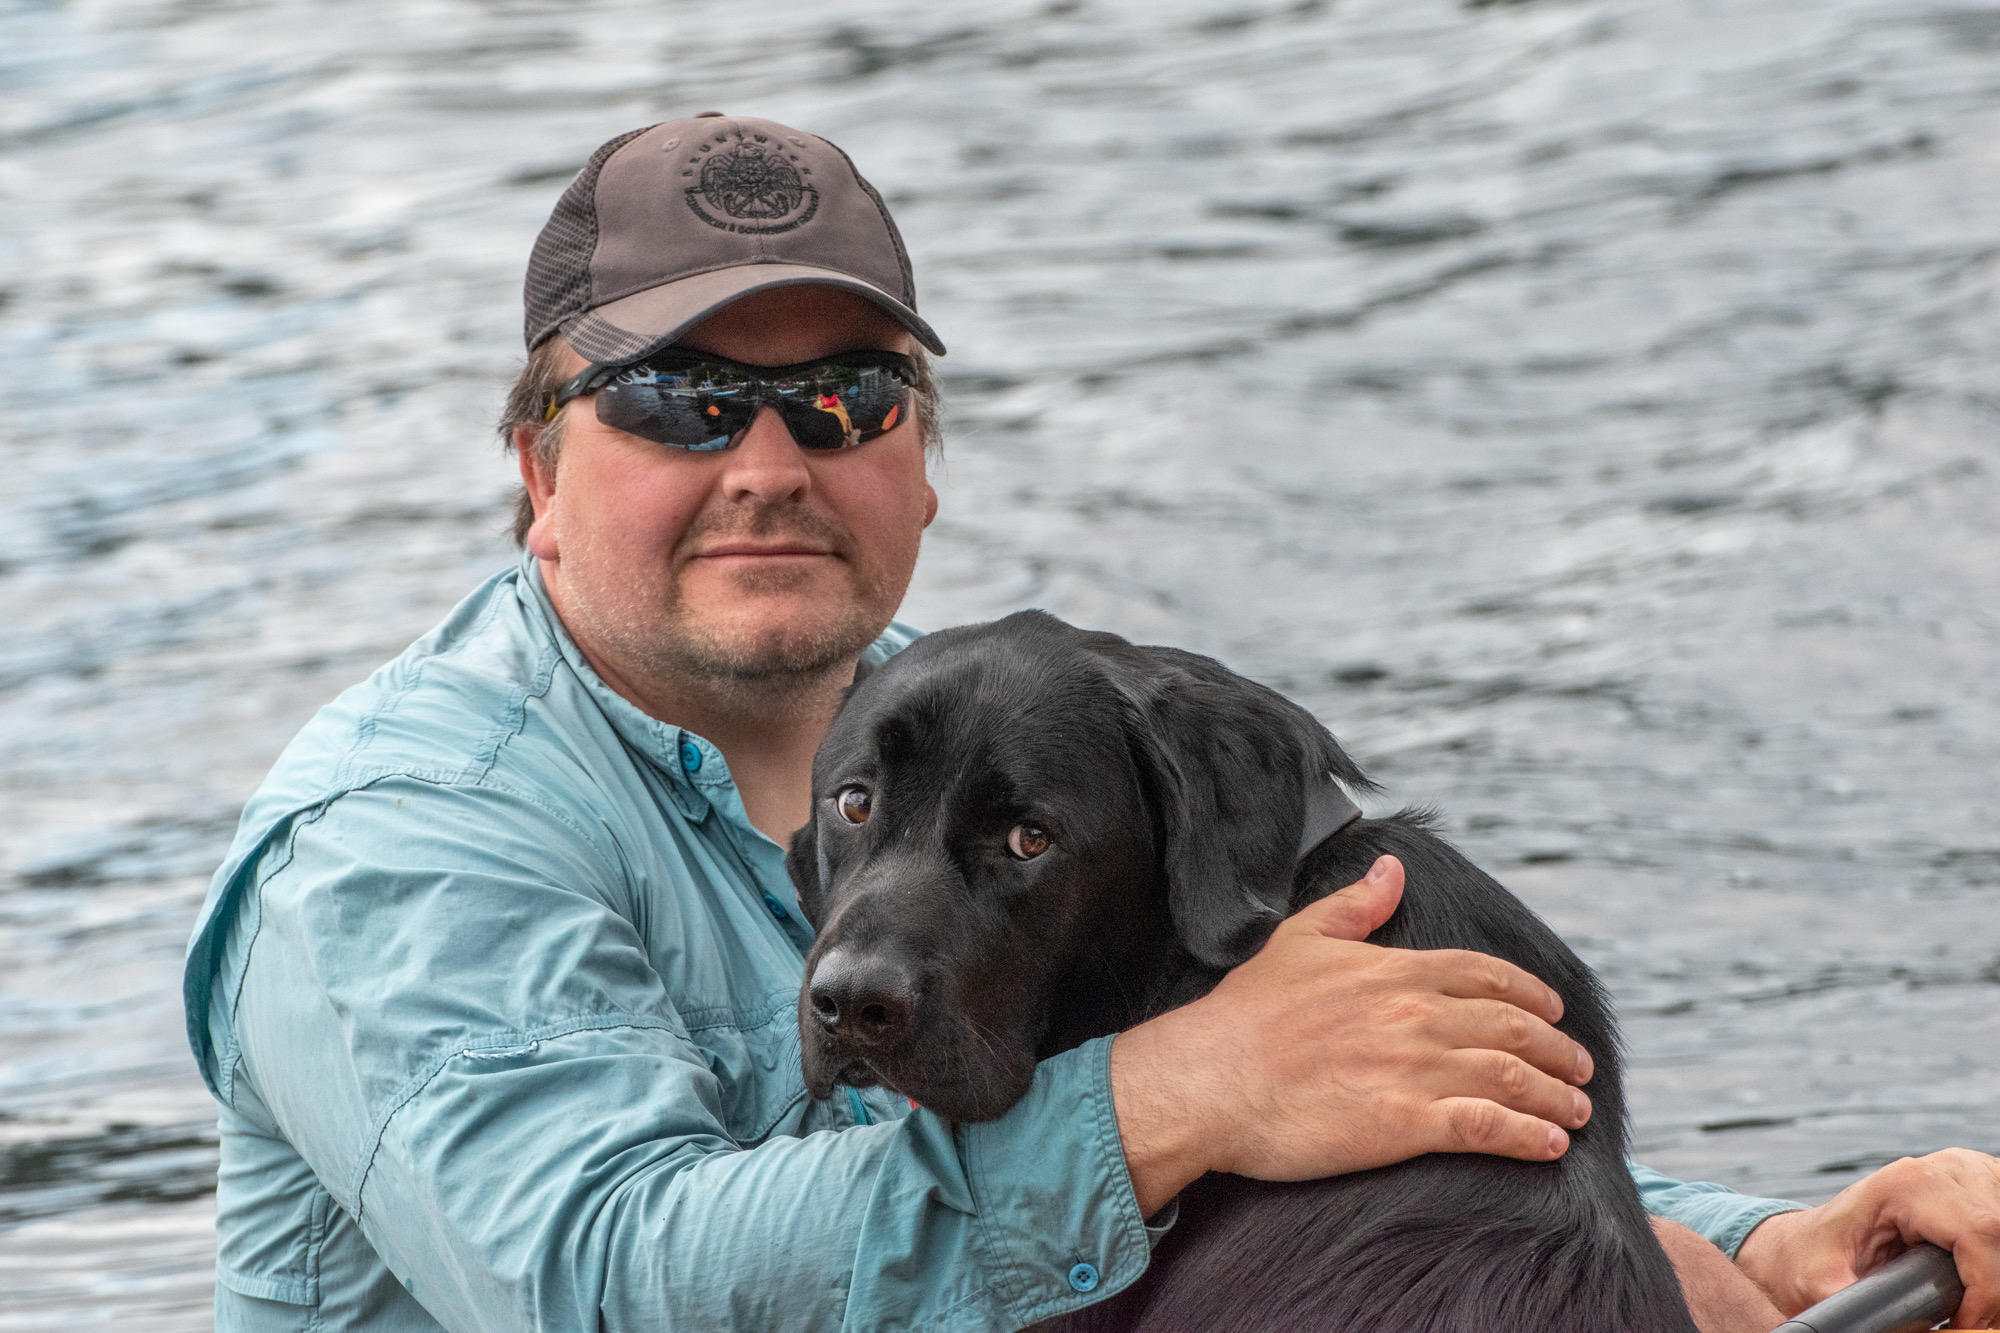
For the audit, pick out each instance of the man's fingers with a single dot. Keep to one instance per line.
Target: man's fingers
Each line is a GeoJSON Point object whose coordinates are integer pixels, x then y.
{"type": "Point", "coordinates": [1472, 1124]}
{"type": "Point", "coordinates": [1355, 912]}
{"type": "Point", "coordinates": [1952, 1199]}
{"type": "Point", "coordinates": [1479, 976]}
{"type": "Point", "coordinates": [1976, 1250]}
{"type": "Point", "coordinates": [1512, 1083]}
{"type": "Point", "coordinates": [1493, 1025]}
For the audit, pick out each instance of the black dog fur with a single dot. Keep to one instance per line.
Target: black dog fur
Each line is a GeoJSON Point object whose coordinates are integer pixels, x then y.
{"type": "Point", "coordinates": [1172, 792]}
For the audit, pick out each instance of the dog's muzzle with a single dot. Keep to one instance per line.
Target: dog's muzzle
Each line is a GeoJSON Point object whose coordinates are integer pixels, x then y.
{"type": "Point", "coordinates": [863, 1003]}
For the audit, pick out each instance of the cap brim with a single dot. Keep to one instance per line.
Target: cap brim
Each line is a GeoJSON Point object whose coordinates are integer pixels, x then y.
{"type": "Point", "coordinates": [635, 326]}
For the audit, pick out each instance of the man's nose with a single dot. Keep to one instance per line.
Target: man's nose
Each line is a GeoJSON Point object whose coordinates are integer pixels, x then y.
{"type": "Point", "coordinates": [767, 463]}
{"type": "Point", "coordinates": [864, 999]}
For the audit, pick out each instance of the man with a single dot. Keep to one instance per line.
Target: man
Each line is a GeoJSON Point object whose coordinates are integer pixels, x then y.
{"type": "Point", "coordinates": [497, 986]}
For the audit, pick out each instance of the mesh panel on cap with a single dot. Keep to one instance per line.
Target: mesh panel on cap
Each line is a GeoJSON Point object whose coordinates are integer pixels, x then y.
{"type": "Point", "coordinates": [559, 268]}
{"type": "Point", "coordinates": [909, 292]}
{"type": "Point", "coordinates": [603, 342]}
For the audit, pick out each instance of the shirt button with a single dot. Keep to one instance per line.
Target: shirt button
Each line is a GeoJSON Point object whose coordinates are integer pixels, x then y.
{"type": "Point", "coordinates": [691, 756]}
{"type": "Point", "coordinates": [777, 908]}
{"type": "Point", "coordinates": [1083, 1277]}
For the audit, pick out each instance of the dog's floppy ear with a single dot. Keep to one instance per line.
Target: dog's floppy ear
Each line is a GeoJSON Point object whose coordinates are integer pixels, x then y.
{"type": "Point", "coordinates": [805, 862]}
{"type": "Point", "coordinates": [1231, 768]}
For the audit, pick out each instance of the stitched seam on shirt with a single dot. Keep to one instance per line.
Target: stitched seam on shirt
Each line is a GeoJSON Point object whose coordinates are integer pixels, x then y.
{"type": "Point", "coordinates": [563, 1027]}
{"type": "Point", "coordinates": [551, 811]}
{"type": "Point", "coordinates": [447, 779]}
{"type": "Point", "coordinates": [1001, 1260]}
{"type": "Point", "coordinates": [1131, 1220]}
{"type": "Point", "coordinates": [260, 1288]}
{"type": "Point", "coordinates": [318, 811]}
{"type": "Point", "coordinates": [745, 1020]}
{"type": "Point", "coordinates": [364, 730]}
{"type": "Point", "coordinates": [250, 945]}
{"type": "Point", "coordinates": [1107, 1128]}
{"type": "Point", "coordinates": [1128, 1209]}
{"type": "Point", "coordinates": [316, 1229]}
{"type": "Point", "coordinates": [1106, 1124]}
{"type": "Point", "coordinates": [979, 1297]}
{"type": "Point", "coordinates": [456, 780]}
{"type": "Point", "coordinates": [709, 1016]}
{"type": "Point", "coordinates": [517, 708]}
{"type": "Point", "coordinates": [680, 787]}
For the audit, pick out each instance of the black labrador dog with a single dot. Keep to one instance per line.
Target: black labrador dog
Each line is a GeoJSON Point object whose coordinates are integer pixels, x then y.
{"type": "Point", "coordinates": [1026, 835]}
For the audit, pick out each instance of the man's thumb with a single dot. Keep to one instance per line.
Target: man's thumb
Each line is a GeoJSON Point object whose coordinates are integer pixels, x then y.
{"type": "Point", "coordinates": [1354, 912]}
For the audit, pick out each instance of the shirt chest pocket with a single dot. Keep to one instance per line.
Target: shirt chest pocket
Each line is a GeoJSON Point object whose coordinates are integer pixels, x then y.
{"type": "Point", "coordinates": [755, 1060]}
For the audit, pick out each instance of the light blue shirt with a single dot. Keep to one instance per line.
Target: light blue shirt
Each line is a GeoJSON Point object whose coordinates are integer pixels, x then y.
{"type": "Point", "coordinates": [497, 990]}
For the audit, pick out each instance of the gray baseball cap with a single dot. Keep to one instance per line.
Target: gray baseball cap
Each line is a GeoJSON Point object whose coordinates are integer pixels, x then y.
{"type": "Point", "coordinates": [667, 224]}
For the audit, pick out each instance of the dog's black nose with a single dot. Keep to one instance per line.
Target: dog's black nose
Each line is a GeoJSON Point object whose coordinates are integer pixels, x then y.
{"type": "Point", "coordinates": [865, 1000]}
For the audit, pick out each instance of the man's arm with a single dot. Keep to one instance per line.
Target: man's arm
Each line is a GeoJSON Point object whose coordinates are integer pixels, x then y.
{"type": "Point", "coordinates": [467, 1044]}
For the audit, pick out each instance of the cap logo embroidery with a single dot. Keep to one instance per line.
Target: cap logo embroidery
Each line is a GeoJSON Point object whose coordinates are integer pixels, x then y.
{"type": "Point", "coordinates": [749, 187]}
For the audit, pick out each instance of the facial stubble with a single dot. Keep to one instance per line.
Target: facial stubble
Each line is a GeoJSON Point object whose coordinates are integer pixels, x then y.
{"type": "Point", "coordinates": [667, 638]}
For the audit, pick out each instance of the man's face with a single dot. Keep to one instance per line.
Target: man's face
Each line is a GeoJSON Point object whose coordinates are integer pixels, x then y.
{"type": "Point", "coordinates": [747, 565]}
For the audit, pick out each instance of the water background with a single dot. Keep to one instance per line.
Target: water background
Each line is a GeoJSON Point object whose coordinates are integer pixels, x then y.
{"type": "Point", "coordinates": [1587, 406]}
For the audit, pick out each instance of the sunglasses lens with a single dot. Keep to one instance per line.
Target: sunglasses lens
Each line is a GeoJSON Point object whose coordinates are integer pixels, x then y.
{"type": "Point", "coordinates": [706, 407]}
{"type": "Point", "coordinates": [838, 406]}
{"type": "Point", "coordinates": [684, 409]}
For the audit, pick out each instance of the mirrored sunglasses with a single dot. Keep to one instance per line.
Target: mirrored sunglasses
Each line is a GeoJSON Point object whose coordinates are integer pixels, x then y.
{"type": "Point", "coordinates": [705, 403]}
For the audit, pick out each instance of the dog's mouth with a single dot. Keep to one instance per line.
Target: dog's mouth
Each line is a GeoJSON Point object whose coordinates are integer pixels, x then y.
{"type": "Point", "coordinates": [859, 1074]}
{"type": "Point", "coordinates": [949, 1067]}
{"type": "Point", "coordinates": [961, 1100]}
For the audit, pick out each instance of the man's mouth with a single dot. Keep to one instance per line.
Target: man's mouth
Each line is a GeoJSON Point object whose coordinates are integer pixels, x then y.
{"type": "Point", "coordinates": [764, 551]}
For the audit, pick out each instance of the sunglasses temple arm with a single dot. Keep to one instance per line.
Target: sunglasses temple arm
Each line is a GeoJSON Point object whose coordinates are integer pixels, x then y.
{"type": "Point", "coordinates": [584, 383]}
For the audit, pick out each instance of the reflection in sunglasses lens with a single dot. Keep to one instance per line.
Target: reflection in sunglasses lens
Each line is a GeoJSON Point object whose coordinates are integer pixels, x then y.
{"type": "Point", "coordinates": [706, 407]}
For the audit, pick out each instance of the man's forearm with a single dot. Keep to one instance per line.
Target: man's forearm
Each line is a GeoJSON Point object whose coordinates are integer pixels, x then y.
{"type": "Point", "coordinates": [535, 1140]}
{"type": "Point", "coordinates": [915, 1223]}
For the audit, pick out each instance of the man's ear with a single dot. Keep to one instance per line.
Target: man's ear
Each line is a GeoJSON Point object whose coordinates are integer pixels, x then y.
{"type": "Point", "coordinates": [540, 481]}
{"type": "Point", "coordinates": [1227, 763]}
{"type": "Point", "coordinates": [806, 866]}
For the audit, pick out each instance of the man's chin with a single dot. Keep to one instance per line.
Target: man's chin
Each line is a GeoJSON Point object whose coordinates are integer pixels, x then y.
{"type": "Point", "coordinates": [777, 637]}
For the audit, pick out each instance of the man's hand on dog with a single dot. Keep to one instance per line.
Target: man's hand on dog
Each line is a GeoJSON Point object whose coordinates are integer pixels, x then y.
{"type": "Point", "coordinates": [1950, 1198]}
{"type": "Point", "coordinates": [1323, 1055]}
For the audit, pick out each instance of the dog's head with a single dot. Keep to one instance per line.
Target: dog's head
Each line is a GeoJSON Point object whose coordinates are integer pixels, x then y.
{"type": "Point", "coordinates": [1006, 818]}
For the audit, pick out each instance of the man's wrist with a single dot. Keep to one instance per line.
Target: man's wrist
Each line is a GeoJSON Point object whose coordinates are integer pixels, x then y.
{"type": "Point", "coordinates": [1165, 1124]}
{"type": "Point", "coordinates": [1762, 1256]}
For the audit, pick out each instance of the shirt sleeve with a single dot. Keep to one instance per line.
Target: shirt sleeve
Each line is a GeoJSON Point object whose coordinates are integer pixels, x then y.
{"type": "Point", "coordinates": [450, 1015]}
{"type": "Point", "coordinates": [1716, 1212]}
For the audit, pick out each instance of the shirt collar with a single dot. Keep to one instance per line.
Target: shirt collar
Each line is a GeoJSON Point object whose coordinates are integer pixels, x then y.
{"type": "Point", "coordinates": [689, 762]}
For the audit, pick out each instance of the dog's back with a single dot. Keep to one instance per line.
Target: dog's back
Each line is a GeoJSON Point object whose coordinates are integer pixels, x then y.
{"type": "Point", "coordinates": [1458, 1243]}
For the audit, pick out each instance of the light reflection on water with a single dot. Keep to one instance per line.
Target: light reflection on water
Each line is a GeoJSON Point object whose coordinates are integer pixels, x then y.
{"type": "Point", "coordinates": [1586, 407]}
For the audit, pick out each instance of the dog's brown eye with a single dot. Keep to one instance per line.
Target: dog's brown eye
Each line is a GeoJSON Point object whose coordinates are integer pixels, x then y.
{"type": "Point", "coordinates": [853, 804]}
{"type": "Point", "coordinates": [1027, 842]}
